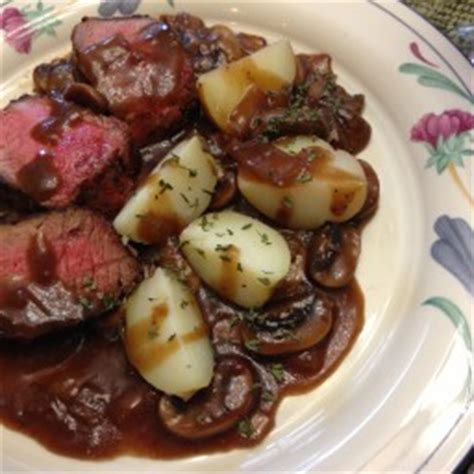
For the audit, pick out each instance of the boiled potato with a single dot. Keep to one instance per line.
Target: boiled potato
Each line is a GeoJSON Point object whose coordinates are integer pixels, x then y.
{"type": "Point", "coordinates": [221, 90]}
{"type": "Point", "coordinates": [333, 187]}
{"type": "Point", "coordinates": [165, 336]}
{"type": "Point", "coordinates": [241, 258]}
{"type": "Point", "coordinates": [175, 193]}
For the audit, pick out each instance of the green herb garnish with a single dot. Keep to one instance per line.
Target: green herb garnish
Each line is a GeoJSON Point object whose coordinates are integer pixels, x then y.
{"type": "Point", "coordinates": [252, 345]}
{"type": "Point", "coordinates": [287, 202]}
{"type": "Point", "coordinates": [278, 371]}
{"type": "Point", "coordinates": [245, 428]}
{"type": "Point", "coordinates": [222, 248]}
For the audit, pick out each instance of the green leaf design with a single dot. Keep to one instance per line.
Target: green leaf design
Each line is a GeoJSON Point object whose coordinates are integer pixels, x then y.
{"type": "Point", "coordinates": [430, 78]}
{"type": "Point", "coordinates": [449, 151]}
{"type": "Point", "coordinates": [42, 19]}
{"type": "Point", "coordinates": [457, 317]}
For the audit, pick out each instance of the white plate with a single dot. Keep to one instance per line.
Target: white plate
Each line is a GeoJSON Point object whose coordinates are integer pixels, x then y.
{"type": "Point", "coordinates": [401, 399]}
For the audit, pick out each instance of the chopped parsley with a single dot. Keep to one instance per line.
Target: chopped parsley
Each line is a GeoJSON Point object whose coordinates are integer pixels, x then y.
{"type": "Point", "coordinates": [268, 396]}
{"type": "Point", "coordinates": [225, 258]}
{"type": "Point", "coordinates": [109, 302]}
{"type": "Point", "coordinates": [183, 244]}
{"type": "Point", "coordinates": [205, 224]}
{"type": "Point", "coordinates": [86, 302]}
{"type": "Point", "coordinates": [222, 248]}
{"type": "Point", "coordinates": [239, 267]}
{"type": "Point", "coordinates": [164, 186]}
{"type": "Point", "coordinates": [287, 202]}
{"type": "Point", "coordinates": [285, 334]}
{"type": "Point", "coordinates": [252, 344]}
{"type": "Point", "coordinates": [264, 281]}
{"type": "Point", "coordinates": [201, 253]}
{"type": "Point", "coordinates": [264, 238]}
{"type": "Point", "coordinates": [153, 333]}
{"type": "Point", "coordinates": [172, 337]}
{"type": "Point", "coordinates": [193, 205]}
{"type": "Point", "coordinates": [89, 283]}
{"type": "Point", "coordinates": [183, 304]}
{"type": "Point", "coordinates": [247, 226]}
{"type": "Point", "coordinates": [304, 177]}
{"type": "Point", "coordinates": [278, 371]}
{"type": "Point", "coordinates": [235, 320]}
{"type": "Point", "coordinates": [185, 198]}
{"type": "Point", "coordinates": [254, 317]}
{"type": "Point", "coordinates": [245, 428]}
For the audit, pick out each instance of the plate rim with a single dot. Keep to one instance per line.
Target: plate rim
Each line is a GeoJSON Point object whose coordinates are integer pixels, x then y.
{"type": "Point", "coordinates": [418, 18]}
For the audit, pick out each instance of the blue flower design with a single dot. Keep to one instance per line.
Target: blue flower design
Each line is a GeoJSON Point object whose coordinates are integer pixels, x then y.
{"type": "Point", "coordinates": [454, 250]}
{"type": "Point", "coordinates": [108, 8]}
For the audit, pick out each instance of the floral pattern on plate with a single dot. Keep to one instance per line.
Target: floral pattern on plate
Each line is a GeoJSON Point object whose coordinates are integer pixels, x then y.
{"type": "Point", "coordinates": [448, 139]}
{"type": "Point", "coordinates": [108, 8]}
{"type": "Point", "coordinates": [23, 25]}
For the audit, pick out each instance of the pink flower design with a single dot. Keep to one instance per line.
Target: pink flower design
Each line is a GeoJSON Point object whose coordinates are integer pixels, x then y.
{"type": "Point", "coordinates": [18, 33]}
{"type": "Point", "coordinates": [451, 122]}
{"type": "Point", "coordinates": [415, 49]}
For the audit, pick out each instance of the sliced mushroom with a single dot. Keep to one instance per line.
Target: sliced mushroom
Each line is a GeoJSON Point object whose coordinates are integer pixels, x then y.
{"type": "Point", "coordinates": [217, 408]}
{"type": "Point", "coordinates": [85, 95]}
{"type": "Point", "coordinates": [333, 255]}
{"type": "Point", "coordinates": [295, 285]}
{"type": "Point", "coordinates": [225, 192]}
{"type": "Point", "coordinates": [251, 43]}
{"type": "Point", "coordinates": [373, 191]}
{"type": "Point", "coordinates": [289, 327]}
{"type": "Point", "coordinates": [53, 78]}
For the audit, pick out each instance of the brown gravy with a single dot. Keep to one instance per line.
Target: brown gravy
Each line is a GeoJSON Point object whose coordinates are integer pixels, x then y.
{"type": "Point", "coordinates": [78, 395]}
{"type": "Point", "coordinates": [40, 178]}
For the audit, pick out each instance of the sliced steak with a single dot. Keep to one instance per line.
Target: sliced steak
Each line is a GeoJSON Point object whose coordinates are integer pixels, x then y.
{"type": "Point", "coordinates": [59, 269]}
{"type": "Point", "coordinates": [92, 31]}
{"type": "Point", "coordinates": [141, 69]}
{"type": "Point", "coordinates": [58, 149]}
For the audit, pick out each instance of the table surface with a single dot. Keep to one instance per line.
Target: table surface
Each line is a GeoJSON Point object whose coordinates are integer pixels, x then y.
{"type": "Point", "coordinates": [454, 18]}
